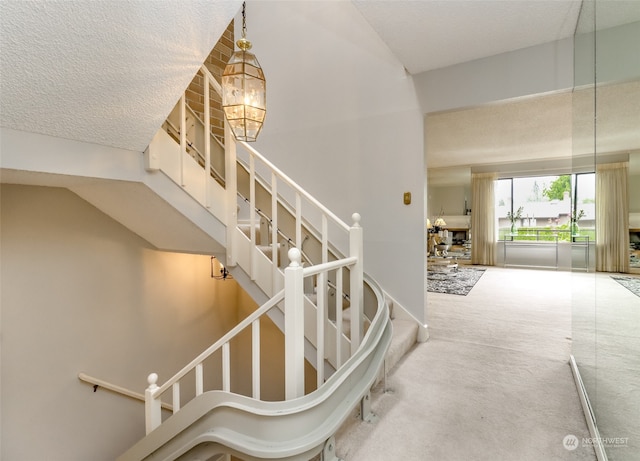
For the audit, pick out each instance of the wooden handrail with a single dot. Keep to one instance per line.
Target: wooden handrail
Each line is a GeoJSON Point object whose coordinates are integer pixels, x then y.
{"type": "Point", "coordinates": [97, 383]}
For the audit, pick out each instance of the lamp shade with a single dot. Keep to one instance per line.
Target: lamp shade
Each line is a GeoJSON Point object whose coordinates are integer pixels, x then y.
{"type": "Point", "coordinates": [440, 222]}
{"type": "Point", "coordinates": [244, 93]}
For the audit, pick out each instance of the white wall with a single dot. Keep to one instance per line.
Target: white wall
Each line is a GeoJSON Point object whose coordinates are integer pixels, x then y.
{"type": "Point", "coordinates": [81, 293]}
{"type": "Point", "coordinates": [535, 70]}
{"type": "Point", "coordinates": [448, 200]}
{"type": "Point", "coordinates": [343, 121]}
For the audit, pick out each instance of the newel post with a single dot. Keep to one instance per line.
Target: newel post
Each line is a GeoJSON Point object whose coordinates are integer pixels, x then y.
{"type": "Point", "coordinates": [152, 406]}
{"type": "Point", "coordinates": [294, 326]}
{"type": "Point", "coordinates": [355, 282]}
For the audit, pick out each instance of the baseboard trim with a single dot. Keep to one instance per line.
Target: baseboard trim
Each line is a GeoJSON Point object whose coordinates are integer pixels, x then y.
{"type": "Point", "coordinates": [588, 411]}
{"type": "Point", "coordinates": [397, 310]}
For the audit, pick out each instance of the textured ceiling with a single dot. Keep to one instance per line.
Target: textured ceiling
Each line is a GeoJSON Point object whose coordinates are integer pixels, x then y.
{"type": "Point", "coordinates": [109, 72]}
{"type": "Point", "coordinates": [99, 71]}
{"type": "Point", "coordinates": [531, 128]}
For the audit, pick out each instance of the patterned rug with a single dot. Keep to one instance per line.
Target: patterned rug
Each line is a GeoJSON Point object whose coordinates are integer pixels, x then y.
{"type": "Point", "coordinates": [455, 283]}
{"type": "Point", "coordinates": [630, 283]}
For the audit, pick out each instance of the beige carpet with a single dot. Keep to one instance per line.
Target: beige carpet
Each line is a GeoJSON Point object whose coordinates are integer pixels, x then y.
{"type": "Point", "coordinates": [492, 383]}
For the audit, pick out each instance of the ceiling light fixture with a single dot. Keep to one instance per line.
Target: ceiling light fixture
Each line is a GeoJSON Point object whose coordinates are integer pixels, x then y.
{"type": "Point", "coordinates": [224, 273]}
{"type": "Point", "coordinates": [244, 90]}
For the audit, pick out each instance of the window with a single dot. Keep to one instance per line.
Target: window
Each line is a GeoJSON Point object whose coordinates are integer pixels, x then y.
{"type": "Point", "coordinates": [543, 207]}
{"type": "Point", "coordinates": [585, 202]}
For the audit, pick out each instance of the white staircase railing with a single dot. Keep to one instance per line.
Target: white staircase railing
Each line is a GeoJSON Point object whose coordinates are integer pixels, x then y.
{"type": "Point", "coordinates": [287, 207]}
{"type": "Point", "coordinates": [304, 215]}
{"type": "Point", "coordinates": [293, 297]}
{"type": "Point", "coordinates": [153, 394]}
{"type": "Point", "coordinates": [304, 218]}
{"type": "Point", "coordinates": [219, 423]}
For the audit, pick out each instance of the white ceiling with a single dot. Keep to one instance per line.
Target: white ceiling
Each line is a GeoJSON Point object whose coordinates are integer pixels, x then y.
{"type": "Point", "coordinates": [91, 71]}
{"type": "Point", "coordinates": [431, 34]}
{"type": "Point", "coordinates": [102, 72]}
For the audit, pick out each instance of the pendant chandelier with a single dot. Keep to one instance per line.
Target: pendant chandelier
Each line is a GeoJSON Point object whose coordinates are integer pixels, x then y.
{"type": "Point", "coordinates": [244, 96]}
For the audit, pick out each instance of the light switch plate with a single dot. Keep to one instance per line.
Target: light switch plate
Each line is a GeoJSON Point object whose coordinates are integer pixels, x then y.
{"type": "Point", "coordinates": [407, 198]}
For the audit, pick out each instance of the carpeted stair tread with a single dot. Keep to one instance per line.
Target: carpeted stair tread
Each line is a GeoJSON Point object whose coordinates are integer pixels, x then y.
{"type": "Point", "coordinates": [266, 249]}
{"type": "Point", "coordinates": [405, 335]}
{"type": "Point", "coordinates": [246, 230]}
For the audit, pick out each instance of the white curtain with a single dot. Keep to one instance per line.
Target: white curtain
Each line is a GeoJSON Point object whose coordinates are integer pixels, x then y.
{"type": "Point", "coordinates": [483, 220]}
{"type": "Point", "coordinates": [612, 217]}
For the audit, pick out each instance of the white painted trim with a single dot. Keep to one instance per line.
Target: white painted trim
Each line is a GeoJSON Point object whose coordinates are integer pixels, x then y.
{"type": "Point", "coordinates": [423, 328]}
{"type": "Point", "coordinates": [588, 412]}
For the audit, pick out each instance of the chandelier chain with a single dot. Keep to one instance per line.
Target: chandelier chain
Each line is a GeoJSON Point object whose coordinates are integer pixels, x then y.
{"type": "Point", "coordinates": [244, 20]}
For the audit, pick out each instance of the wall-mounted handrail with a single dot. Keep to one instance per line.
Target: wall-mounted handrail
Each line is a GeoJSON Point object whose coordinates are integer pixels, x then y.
{"type": "Point", "coordinates": [99, 383]}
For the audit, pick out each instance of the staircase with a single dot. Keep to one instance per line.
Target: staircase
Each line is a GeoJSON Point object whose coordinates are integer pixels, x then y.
{"type": "Point", "coordinates": [288, 251]}
{"type": "Point", "coordinates": [291, 254]}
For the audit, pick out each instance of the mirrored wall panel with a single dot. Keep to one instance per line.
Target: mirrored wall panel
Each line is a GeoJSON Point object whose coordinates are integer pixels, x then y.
{"type": "Point", "coordinates": [606, 302]}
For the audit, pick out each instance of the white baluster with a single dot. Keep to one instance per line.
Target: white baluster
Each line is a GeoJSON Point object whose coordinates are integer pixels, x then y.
{"type": "Point", "coordinates": [339, 318]}
{"type": "Point", "coordinates": [183, 138]}
{"type": "Point", "coordinates": [226, 368]}
{"type": "Point", "coordinates": [321, 312]}
{"type": "Point", "coordinates": [356, 276]}
{"type": "Point", "coordinates": [274, 232]}
{"type": "Point", "coordinates": [294, 326]}
{"type": "Point", "coordinates": [255, 358]}
{"type": "Point", "coordinates": [231, 189]}
{"type": "Point", "coordinates": [152, 406]}
{"type": "Point", "coordinates": [176, 396]}
{"type": "Point", "coordinates": [199, 380]}
{"type": "Point", "coordinates": [207, 142]}
{"type": "Point", "coordinates": [252, 217]}
{"type": "Point", "coordinates": [322, 303]}
{"type": "Point", "coordinates": [299, 221]}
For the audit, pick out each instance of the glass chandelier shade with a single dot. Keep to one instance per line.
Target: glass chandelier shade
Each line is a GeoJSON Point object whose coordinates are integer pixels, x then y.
{"type": "Point", "coordinates": [244, 91]}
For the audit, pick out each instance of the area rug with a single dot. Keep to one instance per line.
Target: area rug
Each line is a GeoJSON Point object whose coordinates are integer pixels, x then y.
{"type": "Point", "coordinates": [455, 283]}
{"type": "Point", "coordinates": [630, 283]}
